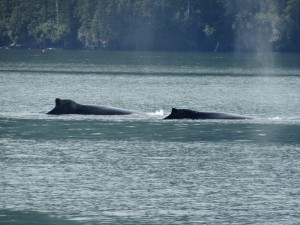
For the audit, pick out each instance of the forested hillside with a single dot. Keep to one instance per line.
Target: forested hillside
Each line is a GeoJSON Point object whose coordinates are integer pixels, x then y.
{"type": "Point", "coordinates": [203, 25]}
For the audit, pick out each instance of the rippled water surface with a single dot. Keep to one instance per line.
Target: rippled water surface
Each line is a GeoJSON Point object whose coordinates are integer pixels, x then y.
{"type": "Point", "coordinates": [140, 169]}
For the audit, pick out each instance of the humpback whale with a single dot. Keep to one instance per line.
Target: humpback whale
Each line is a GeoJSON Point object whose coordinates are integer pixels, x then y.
{"type": "Point", "coordinates": [66, 106]}
{"type": "Point", "coordinates": [195, 115]}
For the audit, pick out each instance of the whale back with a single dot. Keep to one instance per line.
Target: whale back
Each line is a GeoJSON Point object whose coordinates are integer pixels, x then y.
{"type": "Point", "coordinates": [66, 106]}
{"type": "Point", "coordinates": [100, 110]}
{"type": "Point", "coordinates": [191, 114]}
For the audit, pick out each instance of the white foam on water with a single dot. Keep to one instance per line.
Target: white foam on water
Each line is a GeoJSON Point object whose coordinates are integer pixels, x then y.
{"type": "Point", "coordinates": [156, 113]}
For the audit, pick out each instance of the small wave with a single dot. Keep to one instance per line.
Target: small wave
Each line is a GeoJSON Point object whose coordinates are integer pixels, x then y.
{"type": "Point", "coordinates": [275, 118]}
{"type": "Point", "coordinates": [278, 118]}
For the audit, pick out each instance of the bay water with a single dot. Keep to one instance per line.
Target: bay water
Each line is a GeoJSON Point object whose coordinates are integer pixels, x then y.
{"type": "Point", "coordinates": [141, 169]}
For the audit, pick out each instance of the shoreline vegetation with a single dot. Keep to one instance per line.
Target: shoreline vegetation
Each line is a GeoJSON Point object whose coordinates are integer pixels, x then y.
{"type": "Point", "coordinates": [159, 25]}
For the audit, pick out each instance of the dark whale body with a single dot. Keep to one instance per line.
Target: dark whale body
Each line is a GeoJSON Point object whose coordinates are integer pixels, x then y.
{"type": "Point", "coordinates": [195, 115]}
{"type": "Point", "coordinates": [66, 106]}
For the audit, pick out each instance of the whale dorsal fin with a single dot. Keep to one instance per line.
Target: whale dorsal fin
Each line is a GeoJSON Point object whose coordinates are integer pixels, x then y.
{"type": "Point", "coordinates": [57, 101]}
{"type": "Point", "coordinates": [174, 110]}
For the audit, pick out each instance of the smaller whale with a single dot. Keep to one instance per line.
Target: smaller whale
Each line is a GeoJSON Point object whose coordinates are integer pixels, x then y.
{"type": "Point", "coordinates": [195, 115]}
{"type": "Point", "coordinates": [66, 106]}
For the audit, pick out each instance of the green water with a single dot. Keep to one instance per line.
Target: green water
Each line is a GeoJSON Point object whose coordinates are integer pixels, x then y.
{"type": "Point", "coordinates": [140, 169]}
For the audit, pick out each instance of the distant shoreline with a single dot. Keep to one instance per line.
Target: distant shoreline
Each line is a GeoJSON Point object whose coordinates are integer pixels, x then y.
{"type": "Point", "coordinates": [141, 50]}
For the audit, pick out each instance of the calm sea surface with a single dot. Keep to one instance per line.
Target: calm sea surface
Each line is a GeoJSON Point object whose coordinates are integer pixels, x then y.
{"type": "Point", "coordinates": [140, 169]}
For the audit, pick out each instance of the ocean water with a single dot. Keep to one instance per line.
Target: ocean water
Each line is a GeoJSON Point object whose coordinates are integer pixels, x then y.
{"type": "Point", "coordinates": [141, 169]}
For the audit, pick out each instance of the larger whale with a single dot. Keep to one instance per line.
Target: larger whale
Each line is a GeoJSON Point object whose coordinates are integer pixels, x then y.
{"type": "Point", "coordinates": [195, 115]}
{"type": "Point", "coordinates": [66, 106]}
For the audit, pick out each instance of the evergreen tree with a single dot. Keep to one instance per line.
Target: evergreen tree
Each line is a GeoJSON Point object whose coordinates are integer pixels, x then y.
{"type": "Point", "coordinates": [205, 25]}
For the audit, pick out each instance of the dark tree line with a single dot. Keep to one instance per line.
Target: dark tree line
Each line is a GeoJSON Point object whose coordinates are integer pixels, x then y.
{"type": "Point", "coordinates": [204, 25]}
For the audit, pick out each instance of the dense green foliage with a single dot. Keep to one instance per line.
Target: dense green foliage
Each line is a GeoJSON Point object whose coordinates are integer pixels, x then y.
{"type": "Point", "coordinates": [205, 25]}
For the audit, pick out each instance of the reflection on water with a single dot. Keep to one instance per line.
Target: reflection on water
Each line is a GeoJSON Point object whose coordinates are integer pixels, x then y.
{"type": "Point", "coordinates": [152, 130]}
{"type": "Point", "coordinates": [12, 217]}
